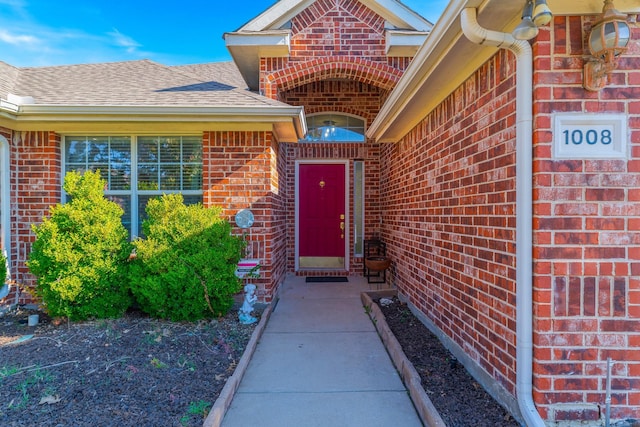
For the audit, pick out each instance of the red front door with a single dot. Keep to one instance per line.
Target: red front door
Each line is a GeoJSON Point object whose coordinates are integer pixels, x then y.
{"type": "Point", "coordinates": [321, 216]}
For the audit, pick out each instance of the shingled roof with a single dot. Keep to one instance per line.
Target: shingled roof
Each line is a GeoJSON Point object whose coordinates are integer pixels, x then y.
{"type": "Point", "coordinates": [131, 83]}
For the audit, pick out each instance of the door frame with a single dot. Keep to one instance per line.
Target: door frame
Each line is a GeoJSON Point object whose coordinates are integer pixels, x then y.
{"type": "Point", "coordinates": [347, 213]}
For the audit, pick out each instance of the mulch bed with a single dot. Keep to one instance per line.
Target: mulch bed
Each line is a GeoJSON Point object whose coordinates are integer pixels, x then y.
{"type": "Point", "coordinates": [132, 371]}
{"type": "Point", "coordinates": [458, 398]}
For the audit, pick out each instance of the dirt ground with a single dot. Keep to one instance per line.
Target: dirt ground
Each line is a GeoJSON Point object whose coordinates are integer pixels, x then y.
{"type": "Point", "coordinates": [132, 371]}
{"type": "Point", "coordinates": [459, 399]}
{"type": "Point", "coordinates": [137, 371]}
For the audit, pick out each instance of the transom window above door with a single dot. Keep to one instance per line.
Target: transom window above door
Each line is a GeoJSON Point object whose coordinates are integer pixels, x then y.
{"type": "Point", "coordinates": [334, 127]}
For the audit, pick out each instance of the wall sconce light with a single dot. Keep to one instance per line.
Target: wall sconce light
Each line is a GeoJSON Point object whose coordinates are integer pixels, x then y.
{"type": "Point", "coordinates": [533, 17]}
{"type": "Point", "coordinates": [608, 39]}
{"type": "Point", "coordinates": [541, 13]}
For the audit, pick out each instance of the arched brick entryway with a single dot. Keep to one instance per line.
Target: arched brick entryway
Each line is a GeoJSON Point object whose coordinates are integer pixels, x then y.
{"type": "Point", "coordinates": [362, 70]}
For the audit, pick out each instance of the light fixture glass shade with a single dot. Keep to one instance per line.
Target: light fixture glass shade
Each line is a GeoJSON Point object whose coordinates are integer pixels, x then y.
{"type": "Point", "coordinates": [610, 36]}
{"type": "Point", "coordinates": [541, 13]}
{"type": "Point", "coordinates": [526, 30]}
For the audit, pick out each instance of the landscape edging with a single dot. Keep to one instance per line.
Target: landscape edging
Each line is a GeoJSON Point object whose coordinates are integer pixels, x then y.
{"type": "Point", "coordinates": [427, 412]}
{"type": "Point", "coordinates": [222, 403]}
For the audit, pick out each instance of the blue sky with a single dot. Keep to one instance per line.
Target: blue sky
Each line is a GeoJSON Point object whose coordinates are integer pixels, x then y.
{"type": "Point", "coordinates": [49, 32]}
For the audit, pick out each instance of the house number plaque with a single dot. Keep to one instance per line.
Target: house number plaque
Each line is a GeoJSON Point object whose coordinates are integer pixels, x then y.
{"type": "Point", "coordinates": [590, 136]}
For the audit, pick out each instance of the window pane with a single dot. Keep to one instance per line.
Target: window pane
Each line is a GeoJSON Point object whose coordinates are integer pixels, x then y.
{"type": "Point", "coordinates": [334, 128]}
{"type": "Point", "coordinates": [192, 150]}
{"type": "Point", "coordinates": [112, 156]}
{"type": "Point", "coordinates": [120, 171]}
{"type": "Point", "coordinates": [170, 178]}
{"type": "Point", "coordinates": [170, 150]}
{"type": "Point", "coordinates": [192, 177]}
{"type": "Point", "coordinates": [147, 150]}
{"type": "Point", "coordinates": [192, 200]}
{"type": "Point", "coordinates": [125, 203]}
{"type": "Point", "coordinates": [98, 150]}
{"type": "Point", "coordinates": [142, 214]}
{"type": "Point", "coordinates": [147, 177]}
{"type": "Point", "coordinates": [358, 207]}
{"type": "Point", "coordinates": [76, 151]}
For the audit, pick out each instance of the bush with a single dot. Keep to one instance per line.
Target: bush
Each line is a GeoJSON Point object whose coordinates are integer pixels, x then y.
{"type": "Point", "coordinates": [3, 269]}
{"type": "Point", "coordinates": [185, 268]}
{"type": "Point", "coordinates": [80, 253]}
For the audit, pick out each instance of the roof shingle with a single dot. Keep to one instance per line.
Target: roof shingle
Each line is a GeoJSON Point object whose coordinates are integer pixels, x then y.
{"type": "Point", "coordinates": [132, 83]}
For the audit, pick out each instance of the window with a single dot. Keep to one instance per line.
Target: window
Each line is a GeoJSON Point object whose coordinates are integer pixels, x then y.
{"type": "Point", "coordinates": [139, 168]}
{"type": "Point", "coordinates": [358, 207]}
{"type": "Point", "coordinates": [334, 128]}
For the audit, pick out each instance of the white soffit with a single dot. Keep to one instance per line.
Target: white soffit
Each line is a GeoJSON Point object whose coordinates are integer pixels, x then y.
{"type": "Point", "coordinates": [247, 48]}
{"type": "Point", "coordinates": [590, 7]}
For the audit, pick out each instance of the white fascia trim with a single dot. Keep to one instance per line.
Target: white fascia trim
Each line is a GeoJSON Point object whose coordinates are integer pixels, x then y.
{"type": "Point", "coordinates": [276, 16]}
{"type": "Point", "coordinates": [283, 11]}
{"type": "Point", "coordinates": [399, 15]}
{"type": "Point", "coordinates": [404, 42]}
{"type": "Point", "coordinates": [223, 112]}
{"type": "Point", "coordinates": [8, 106]}
{"type": "Point", "coordinates": [269, 38]}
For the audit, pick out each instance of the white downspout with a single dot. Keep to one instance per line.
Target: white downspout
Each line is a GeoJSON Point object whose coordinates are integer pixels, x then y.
{"type": "Point", "coordinates": [524, 205]}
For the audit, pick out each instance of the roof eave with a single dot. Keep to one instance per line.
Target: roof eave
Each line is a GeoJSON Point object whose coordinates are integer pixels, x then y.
{"type": "Point", "coordinates": [442, 64]}
{"type": "Point", "coordinates": [447, 59]}
{"type": "Point", "coordinates": [396, 13]}
{"type": "Point", "coordinates": [286, 121]}
{"type": "Point", "coordinates": [247, 48]}
{"type": "Point", "coordinates": [404, 43]}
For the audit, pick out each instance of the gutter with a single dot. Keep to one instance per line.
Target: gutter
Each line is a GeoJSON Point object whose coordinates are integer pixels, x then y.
{"type": "Point", "coordinates": [524, 205]}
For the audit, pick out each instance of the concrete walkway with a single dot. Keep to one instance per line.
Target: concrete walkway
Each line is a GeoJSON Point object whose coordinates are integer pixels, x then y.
{"type": "Point", "coordinates": [320, 362]}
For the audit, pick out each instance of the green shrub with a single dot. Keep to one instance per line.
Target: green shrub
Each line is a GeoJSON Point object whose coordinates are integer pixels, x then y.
{"type": "Point", "coordinates": [80, 253]}
{"type": "Point", "coordinates": [185, 267]}
{"type": "Point", "coordinates": [3, 269]}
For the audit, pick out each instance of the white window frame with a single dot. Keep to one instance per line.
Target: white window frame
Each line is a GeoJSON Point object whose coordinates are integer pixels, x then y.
{"type": "Point", "coordinates": [5, 194]}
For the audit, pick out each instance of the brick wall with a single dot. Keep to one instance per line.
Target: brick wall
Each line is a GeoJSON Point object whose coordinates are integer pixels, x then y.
{"type": "Point", "coordinates": [36, 180]}
{"type": "Point", "coordinates": [238, 168]}
{"type": "Point", "coordinates": [587, 238]}
{"type": "Point", "coordinates": [333, 40]}
{"type": "Point", "coordinates": [448, 215]}
{"type": "Point", "coordinates": [337, 28]}
{"type": "Point", "coordinates": [349, 97]}
{"type": "Point", "coordinates": [447, 200]}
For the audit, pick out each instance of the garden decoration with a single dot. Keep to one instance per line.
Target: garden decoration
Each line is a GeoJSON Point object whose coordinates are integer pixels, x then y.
{"type": "Point", "coordinates": [250, 298]}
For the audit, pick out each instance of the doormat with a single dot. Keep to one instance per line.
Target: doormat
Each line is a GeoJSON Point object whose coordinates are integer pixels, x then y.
{"type": "Point", "coordinates": [327, 279]}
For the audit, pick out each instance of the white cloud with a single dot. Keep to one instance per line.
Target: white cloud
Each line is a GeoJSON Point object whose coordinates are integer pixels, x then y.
{"type": "Point", "coordinates": [122, 40]}
{"type": "Point", "coordinates": [15, 39]}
